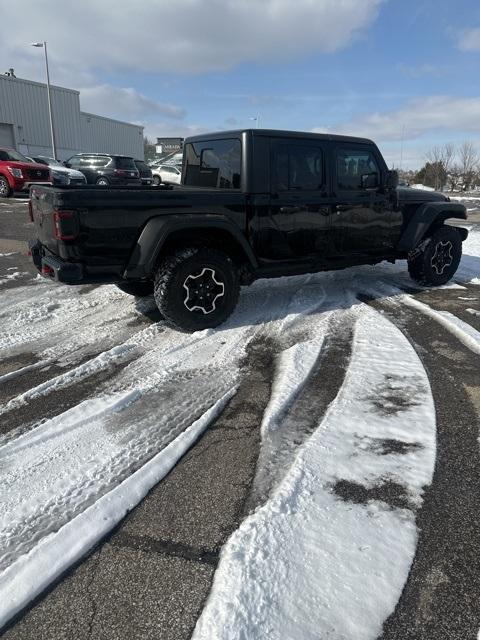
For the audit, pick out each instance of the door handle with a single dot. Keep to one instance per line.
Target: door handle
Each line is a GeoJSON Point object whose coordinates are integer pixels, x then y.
{"type": "Point", "coordinates": [290, 209]}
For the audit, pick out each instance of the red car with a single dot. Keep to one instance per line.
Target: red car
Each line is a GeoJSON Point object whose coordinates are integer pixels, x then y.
{"type": "Point", "coordinates": [17, 173]}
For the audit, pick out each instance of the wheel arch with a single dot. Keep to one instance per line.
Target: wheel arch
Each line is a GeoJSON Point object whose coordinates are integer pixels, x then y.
{"type": "Point", "coordinates": [428, 218]}
{"type": "Point", "coordinates": [162, 236]}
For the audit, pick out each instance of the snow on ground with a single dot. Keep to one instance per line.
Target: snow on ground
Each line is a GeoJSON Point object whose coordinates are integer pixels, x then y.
{"type": "Point", "coordinates": [32, 572]}
{"type": "Point", "coordinates": [462, 330]}
{"type": "Point", "coordinates": [58, 471]}
{"type": "Point", "coordinates": [423, 187]}
{"type": "Point", "coordinates": [332, 539]}
{"type": "Point", "coordinates": [469, 269]}
{"type": "Point", "coordinates": [462, 198]}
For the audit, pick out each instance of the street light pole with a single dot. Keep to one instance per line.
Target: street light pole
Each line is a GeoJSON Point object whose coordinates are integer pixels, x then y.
{"type": "Point", "coordinates": [257, 120]}
{"type": "Point", "coordinates": [50, 113]}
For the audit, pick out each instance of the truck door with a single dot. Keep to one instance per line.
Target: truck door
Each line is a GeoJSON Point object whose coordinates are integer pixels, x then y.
{"type": "Point", "coordinates": [298, 222]}
{"type": "Point", "coordinates": [363, 214]}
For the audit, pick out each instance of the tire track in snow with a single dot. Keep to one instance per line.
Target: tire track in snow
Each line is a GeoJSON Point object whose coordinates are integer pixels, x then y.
{"type": "Point", "coordinates": [440, 598]}
{"type": "Point", "coordinates": [57, 470]}
{"type": "Point", "coordinates": [286, 426]}
{"type": "Point", "coordinates": [235, 433]}
{"type": "Point", "coordinates": [25, 417]}
{"type": "Point", "coordinates": [297, 566]}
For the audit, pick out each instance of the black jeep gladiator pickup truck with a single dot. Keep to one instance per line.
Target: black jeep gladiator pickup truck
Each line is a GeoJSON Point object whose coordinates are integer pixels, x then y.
{"type": "Point", "coordinates": [252, 204]}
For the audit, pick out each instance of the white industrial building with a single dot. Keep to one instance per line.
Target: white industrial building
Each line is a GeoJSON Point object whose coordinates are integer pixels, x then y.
{"type": "Point", "coordinates": [24, 123]}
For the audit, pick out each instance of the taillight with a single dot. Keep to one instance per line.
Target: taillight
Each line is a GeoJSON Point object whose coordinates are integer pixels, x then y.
{"type": "Point", "coordinates": [119, 172]}
{"type": "Point", "coordinates": [47, 270]}
{"type": "Point", "coordinates": [65, 225]}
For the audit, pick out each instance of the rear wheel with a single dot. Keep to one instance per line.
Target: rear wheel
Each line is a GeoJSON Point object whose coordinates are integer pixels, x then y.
{"type": "Point", "coordinates": [436, 259]}
{"type": "Point", "coordinates": [196, 288]}
{"type": "Point", "coordinates": [157, 180]}
{"type": "Point", "coordinates": [138, 289]}
{"type": "Point", "coordinates": [5, 190]}
{"type": "Point", "coordinates": [102, 182]}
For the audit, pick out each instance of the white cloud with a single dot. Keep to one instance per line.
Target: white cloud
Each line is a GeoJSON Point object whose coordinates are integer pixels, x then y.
{"type": "Point", "coordinates": [166, 129]}
{"type": "Point", "coordinates": [419, 117]}
{"type": "Point", "coordinates": [469, 40]}
{"type": "Point", "coordinates": [189, 36]}
{"type": "Point", "coordinates": [126, 103]}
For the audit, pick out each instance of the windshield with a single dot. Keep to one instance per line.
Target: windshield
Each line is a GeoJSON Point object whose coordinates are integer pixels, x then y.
{"type": "Point", "coordinates": [10, 154]}
{"type": "Point", "coordinates": [51, 162]}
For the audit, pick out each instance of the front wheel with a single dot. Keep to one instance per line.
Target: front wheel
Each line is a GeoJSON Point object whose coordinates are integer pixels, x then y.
{"type": "Point", "coordinates": [196, 288]}
{"type": "Point", "coordinates": [437, 258]}
{"type": "Point", "coordinates": [5, 190]}
{"type": "Point", "coordinates": [102, 182]}
{"type": "Point", "coordinates": [157, 181]}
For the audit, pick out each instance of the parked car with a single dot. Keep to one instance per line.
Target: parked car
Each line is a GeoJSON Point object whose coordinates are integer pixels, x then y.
{"type": "Point", "coordinates": [61, 175]}
{"type": "Point", "coordinates": [17, 173]}
{"type": "Point", "coordinates": [167, 174]}
{"type": "Point", "coordinates": [105, 169]}
{"type": "Point", "coordinates": [252, 204]}
{"type": "Point", "coordinates": [145, 172]}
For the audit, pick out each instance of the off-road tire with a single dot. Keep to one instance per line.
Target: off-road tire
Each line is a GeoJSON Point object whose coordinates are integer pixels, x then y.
{"type": "Point", "coordinates": [186, 265]}
{"type": "Point", "coordinates": [157, 181]}
{"type": "Point", "coordinates": [5, 190]}
{"type": "Point", "coordinates": [426, 264]}
{"type": "Point", "coordinates": [137, 289]}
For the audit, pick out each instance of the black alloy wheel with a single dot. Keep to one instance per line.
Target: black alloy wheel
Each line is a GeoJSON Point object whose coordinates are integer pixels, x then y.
{"type": "Point", "coordinates": [436, 259]}
{"type": "Point", "coordinates": [196, 288]}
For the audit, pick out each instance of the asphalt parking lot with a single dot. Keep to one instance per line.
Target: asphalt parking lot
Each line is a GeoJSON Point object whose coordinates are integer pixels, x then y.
{"type": "Point", "coordinates": [150, 577]}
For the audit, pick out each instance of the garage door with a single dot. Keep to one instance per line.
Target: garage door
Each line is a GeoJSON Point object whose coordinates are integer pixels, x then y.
{"type": "Point", "coordinates": [6, 135]}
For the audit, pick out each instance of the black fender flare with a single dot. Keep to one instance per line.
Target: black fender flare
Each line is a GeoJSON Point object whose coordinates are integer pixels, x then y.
{"type": "Point", "coordinates": [155, 233]}
{"type": "Point", "coordinates": [425, 216]}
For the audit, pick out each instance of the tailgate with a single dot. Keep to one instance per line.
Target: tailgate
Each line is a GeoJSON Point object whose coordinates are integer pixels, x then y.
{"type": "Point", "coordinates": [52, 224]}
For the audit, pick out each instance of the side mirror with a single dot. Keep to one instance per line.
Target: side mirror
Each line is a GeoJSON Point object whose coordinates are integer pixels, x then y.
{"type": "Point", "coordinates": [67, 164]}
{"type": "Point", "coordinates": [392, 180]}
{"type": "Point", "coordinates": [369, 181]}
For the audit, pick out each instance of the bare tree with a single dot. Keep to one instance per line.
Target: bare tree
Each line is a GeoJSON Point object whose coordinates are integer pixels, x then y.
{"type": "Point", "coordinates": [449, 152]}
{"type": "Point", "coordinates": [439, 161]}
{"type": "Point", "coordinates": [469, 161]}
{"type": "Point", "coordinates": [454, 177]}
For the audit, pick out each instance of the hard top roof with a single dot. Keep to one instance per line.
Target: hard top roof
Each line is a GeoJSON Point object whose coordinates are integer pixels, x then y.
{"type": "Point", "coordinates": [278, 133]}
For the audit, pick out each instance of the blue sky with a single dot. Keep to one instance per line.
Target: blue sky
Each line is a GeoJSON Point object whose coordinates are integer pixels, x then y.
{"type": "Point", "coordinates": [386, 69]}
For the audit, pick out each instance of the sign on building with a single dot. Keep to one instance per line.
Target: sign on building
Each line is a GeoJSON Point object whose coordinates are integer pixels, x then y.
{"type": "Point", "coordinates": [169, 145]}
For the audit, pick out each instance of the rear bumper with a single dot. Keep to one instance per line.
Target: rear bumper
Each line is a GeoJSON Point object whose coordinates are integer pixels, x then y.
{"type": "Point", "coordinates": [54, 268]}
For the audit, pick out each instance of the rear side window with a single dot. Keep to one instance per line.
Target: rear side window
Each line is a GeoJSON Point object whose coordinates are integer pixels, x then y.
{"type": "Point", "coordinates": [95, 161]}
{"type": "Point", "coordinates": [213, 163]}
{"type": "Point", "coordinates": [74, 162]}
{"type": "Point", "coordinates": [142, 165]}
{"type": "Point", "coordinates": [125, 163]}
{"type": "Point", "coordinates": [298, 168]}
{"type": "Point", "coordinates": [352, 164]}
